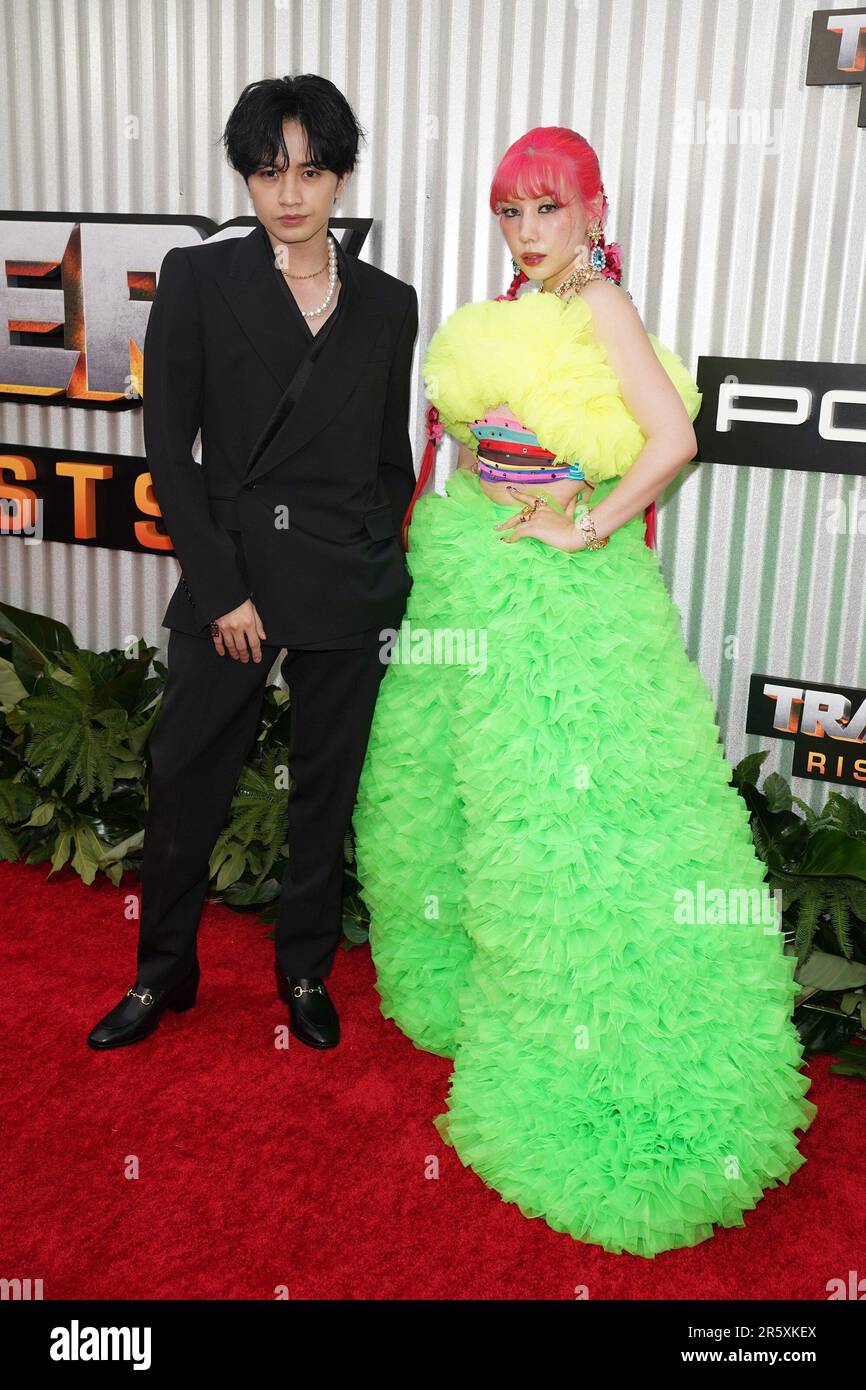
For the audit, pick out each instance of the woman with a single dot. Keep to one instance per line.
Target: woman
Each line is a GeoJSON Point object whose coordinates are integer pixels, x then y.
{"type": "Point", "coordinates": [545, 811]}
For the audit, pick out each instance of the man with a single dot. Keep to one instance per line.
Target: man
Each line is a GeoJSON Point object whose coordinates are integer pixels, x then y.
{"type": "Point", "coordinates": [294, 359]}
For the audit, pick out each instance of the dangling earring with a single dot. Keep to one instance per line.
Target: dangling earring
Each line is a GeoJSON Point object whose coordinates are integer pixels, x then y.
{"type": "Point", "coordinates": [584, 271]}
{"type": "Point", "coordinates": [515, 268]}
{"type": "Point", "coordinates": [597, 258]}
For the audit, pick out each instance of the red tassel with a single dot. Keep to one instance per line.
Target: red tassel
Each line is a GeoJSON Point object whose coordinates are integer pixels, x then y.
{"type": "Point", "coordinates": [650, 523]}
{"type": "Point", "coordinates": [434, 433]}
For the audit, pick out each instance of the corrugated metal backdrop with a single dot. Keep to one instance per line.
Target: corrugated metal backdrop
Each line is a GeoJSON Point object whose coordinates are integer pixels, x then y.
{"type": "Point", "coordinates": [751, 247]}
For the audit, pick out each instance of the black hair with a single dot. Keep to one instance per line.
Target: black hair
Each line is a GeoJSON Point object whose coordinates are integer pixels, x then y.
{"type": "Point", "coordinates": [253, 136]}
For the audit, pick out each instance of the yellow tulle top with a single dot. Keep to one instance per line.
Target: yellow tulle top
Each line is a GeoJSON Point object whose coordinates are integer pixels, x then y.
{"type": "Point", "coordinates": [537, 353]}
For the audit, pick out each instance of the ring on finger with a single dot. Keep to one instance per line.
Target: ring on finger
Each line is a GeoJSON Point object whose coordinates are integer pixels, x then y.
{"type": "Point", "coordinates": [530, 509]}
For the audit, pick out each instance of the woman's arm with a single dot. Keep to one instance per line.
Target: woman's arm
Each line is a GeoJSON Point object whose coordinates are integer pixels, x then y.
{"type": "Point", "coordinates": [652, 399]}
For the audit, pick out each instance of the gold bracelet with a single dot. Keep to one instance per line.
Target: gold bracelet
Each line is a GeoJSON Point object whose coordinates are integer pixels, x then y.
{"type": "Point", "coordinates": [583, 519]}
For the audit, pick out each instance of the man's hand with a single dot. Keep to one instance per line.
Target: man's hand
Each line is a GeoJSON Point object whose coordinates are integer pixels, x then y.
{"type": "Point", "coordinates": [237, 629]}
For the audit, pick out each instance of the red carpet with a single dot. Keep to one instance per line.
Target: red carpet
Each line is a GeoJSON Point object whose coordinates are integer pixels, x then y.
{"type": "Point", "coordinates": [260, 1168]}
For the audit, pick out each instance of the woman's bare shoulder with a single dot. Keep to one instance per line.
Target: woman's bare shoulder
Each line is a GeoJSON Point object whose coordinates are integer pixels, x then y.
{"type": "Point", "coordinates": [614, 312]}
{"type": "Point", "coordinates": [605, 291]}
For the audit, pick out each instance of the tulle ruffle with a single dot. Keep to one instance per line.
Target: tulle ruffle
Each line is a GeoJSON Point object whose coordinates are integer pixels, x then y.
{"type": "Point", "coordinates": [539, 355]}
{"type": "Point", "coordinates": [529, 827]}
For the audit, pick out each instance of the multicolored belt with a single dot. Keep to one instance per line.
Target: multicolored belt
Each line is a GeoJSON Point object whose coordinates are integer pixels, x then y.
{"type": "Point", "coordinates": [516, 456]}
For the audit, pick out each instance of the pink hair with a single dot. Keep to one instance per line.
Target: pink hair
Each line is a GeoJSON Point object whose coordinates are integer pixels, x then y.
{"type": "Point", "coordinates": [551, 159]}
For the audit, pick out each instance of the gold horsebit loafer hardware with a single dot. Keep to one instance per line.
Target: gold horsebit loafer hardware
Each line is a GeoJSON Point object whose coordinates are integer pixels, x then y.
{"type": "Point", "coordinates": [146, 998]}
{"type": "Point", "coordinates": [298, 990]}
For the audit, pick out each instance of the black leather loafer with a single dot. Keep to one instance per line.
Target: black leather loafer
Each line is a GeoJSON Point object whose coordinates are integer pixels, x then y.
{"type": "Point", "coordinates": [140, 1010]}
{"type": "Point", "coordinates": [312, 1017]}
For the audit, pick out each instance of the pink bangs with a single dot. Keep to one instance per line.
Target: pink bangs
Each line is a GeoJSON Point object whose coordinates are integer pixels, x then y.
{"type": "Point", "coordinates": [547, 160]}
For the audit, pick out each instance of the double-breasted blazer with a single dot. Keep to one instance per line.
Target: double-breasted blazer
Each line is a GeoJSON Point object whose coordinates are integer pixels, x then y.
{"type": "Point", "coordinates": [301, 510]}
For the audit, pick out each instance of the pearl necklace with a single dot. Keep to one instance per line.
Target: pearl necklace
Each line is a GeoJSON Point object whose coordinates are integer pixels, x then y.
{"type": "Point", "coordinates": [332, 282]}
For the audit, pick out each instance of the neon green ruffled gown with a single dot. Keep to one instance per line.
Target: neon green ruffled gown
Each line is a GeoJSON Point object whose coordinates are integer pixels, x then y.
{"type": "Point", "coordinates": [544, 825]}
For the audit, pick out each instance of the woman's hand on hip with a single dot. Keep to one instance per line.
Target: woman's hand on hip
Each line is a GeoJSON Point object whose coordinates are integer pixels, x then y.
{"type": "Point", "coordinates": [553, 527]}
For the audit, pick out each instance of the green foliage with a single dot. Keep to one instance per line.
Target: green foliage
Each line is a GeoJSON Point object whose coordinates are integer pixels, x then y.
{"type": "Point", "coordinates": [74, 766]}
{"type": "Point", "coordinates": [74, 729]}
{"type": "Point", "coordinates": [818, 861]}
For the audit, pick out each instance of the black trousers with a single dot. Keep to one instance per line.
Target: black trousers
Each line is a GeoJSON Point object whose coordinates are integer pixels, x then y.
{"type": "Point", "coordinates": [204, 733]}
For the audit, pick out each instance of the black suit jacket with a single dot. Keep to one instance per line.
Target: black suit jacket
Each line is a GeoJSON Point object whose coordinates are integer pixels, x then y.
{"type": "Point", "coordinates": [301, 509]}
